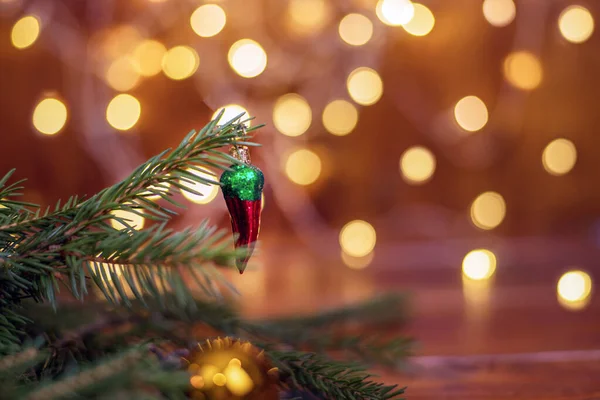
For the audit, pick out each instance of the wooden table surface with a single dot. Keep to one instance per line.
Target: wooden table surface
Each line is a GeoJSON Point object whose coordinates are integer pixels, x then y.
{"type": "Point", "coordinates": [508, 338]}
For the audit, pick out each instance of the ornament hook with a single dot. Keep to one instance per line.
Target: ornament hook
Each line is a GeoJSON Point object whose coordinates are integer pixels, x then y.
{"type": "Point", "coordinates": [240, 153]}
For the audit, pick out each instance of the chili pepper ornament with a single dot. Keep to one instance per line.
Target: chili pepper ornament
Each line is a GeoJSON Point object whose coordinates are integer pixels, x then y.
{"type": "Point", "coordinates": [242, 187]}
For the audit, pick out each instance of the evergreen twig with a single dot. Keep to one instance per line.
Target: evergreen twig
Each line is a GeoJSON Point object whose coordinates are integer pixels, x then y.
{"type": "Point", "coordinates": [75, 244]}
{"type": "Point", "coordinates": [330, 379]}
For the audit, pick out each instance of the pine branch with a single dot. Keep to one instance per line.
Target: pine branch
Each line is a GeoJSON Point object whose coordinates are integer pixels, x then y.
{"type": "Point", "coordinates": [388, 308]}
{"type": "Point", "coordinates": [329, 379]}
{"type": "Point", "coordinates": [39, 250]}
{"type": "Point", "coordinates": [117, 370]}
{"type": "Point", "coordinates": [325, 331]}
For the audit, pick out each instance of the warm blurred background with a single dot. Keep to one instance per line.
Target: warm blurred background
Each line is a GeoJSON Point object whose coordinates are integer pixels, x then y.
{"type": "Point", "coordinates": [448, 148]}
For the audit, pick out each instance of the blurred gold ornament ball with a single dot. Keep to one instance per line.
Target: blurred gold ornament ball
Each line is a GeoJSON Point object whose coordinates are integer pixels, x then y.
{"type": "Point", "coordinates": [228, 369]}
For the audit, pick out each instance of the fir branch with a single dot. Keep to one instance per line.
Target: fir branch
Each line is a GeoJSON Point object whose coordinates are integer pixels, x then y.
{"type": "Point", "coordinates": [325, 331]}
{"type": "Point", "coordinates": [329, 379]}
{"type": "Point", "coordinates": [160, 175]}
{"type": "Point", "coordinates": [40, 249]}
{"type": "Point", "coordinates": [121, 367]}
{"type": "Point", "coordinates": [388, 308]}
{"type": "Point", "coordinates": [15, 364]}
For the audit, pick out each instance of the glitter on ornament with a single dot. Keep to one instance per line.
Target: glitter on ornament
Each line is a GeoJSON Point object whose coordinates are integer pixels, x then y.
{"type": "Point", "coordinates": [242, 187]}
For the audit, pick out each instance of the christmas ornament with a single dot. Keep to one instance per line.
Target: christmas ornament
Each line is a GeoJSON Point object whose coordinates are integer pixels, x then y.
{"type": "Point", "coordinates": [242, 187]}
{"type": "Point", "coordinates": [231, 369]}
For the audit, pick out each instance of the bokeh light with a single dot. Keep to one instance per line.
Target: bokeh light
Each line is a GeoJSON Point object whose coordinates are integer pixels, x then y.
{"type": "Point", "coordinates": [357, 262]}
{"type": "Point", "coordinates": [121, 41]}
{"type": "Point", "coordinates": [488, 210]}
{"type": "Point", "coordinates": [303, 167]}
{"type": "Point", "coordinates": [340, 117]}
{"type": "Point", "coordinates": [219, 379]}
{"type": "Point", "coordinates": [358, 238]}
{"type": "Point", "coordinates": [25, 32]}
{"type": "Point", "coordinates": [247, 58]}
{"type": "Point", "coordinates": [49, 116]}
{"type": "Point", "coordinates": [208, 191]}
{"type": "Point", "coordinates": [559, 157]}
{"type": "Point", "coordinates": [499, 12]}
{"type": "Point", "coordinates": [523, 70]}
{"type": "Point", "coordinates": [471, 113]}
{"type": "Point", "coordinates": [355, 29]}
{"type": "Point", "coordinates": [122, 74]}
{"type": "Point", "coordinates": [574, 289]}
{"type": "Point", "coordinates": [479, 264]}
{"type": "Point", "coordinates": [576, 24]}
{"type": "Point", "coordinates": [422, 21]}
{"type": "Point", "coordinates": [365, 86]}
{"type": "Point", "coordinates": [292, 115]}
{"type": "Point", "coordinates": [239, 382]}
{"type": "Point", "coordinates": [123, 112]}
{"type": "Point", "coordinates": [148, 56]}
{"type": "Point", "coordinates": [308, 16]}
{"type": "Point", "coordinates": [417, 165]}
{"type": "Point", "coordinates": [395, 12]}
{"type": "Point", "coordinates": [208, 20]}
{"type": "Point", "coordinates": [180, 62]}
{"type": "Point", "coordinates": [231, 111]}
{"type": "Point", "coordinates": [132, 219]}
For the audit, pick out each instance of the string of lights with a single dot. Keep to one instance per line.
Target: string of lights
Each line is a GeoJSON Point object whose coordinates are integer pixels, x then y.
{"type": "Point", "coordinates": [126, 56]}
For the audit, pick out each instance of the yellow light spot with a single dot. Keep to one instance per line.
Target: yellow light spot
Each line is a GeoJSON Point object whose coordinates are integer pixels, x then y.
{"type": "Point", "coordinates": [262, 201]}
{"type": "Point", "coordinates": [219, 379]}
{"type": "Point", "coordinates": [197, 382]}
{"type": "Point", "coordinates": [303, 167]}
{"type": "Point", "coordinates": [292, 114]}
{"type": "Point", "coordinates": [208, 20]}
{"type": "Point", "coordinates": [121, 41]}
{"type": "Point", "coordinates": [479, 264]}
{"type": "Point", "coordinates": [471, 113]}
{"type": "Point", "coordinates": [395, 12]}
{"type": "Point", "coordinates": [574, 287]}
{"type": "Point", "coordinates": [231, 111]}
{"type": "Point", "coordinates": [208, 372]}
{"type": "Point", "coordinates": [148, 56]}
{"type": "Point", "coordinates": [207, 191]}
{"type": "Point", "coordinates": [358, 238]}
{"type": "Point", "coordinates": [417, 165]}
{"type": "Point", "coordinates": [25, 32]}
{"type": "Point", "coordinates": [357, 262]}
{"type": "Point", "coordinates": [132, 219]}
{"type": "Point", "coordinates": [488, 210]}
{"type": "Point", "coordinates": [180, 62]}
{"type": "Point", "coordinates": [238, 381]}
{"type": "Point", "coordinates": [355, 29]}
{"type": "Point", "coordinates": [235, 362]}
{"type": "Point", "coordinates": [421, 23]}
{"type": "Point", "coordinates": [49, 116]}
{"type": "Point", "coordinates": [499, 12]}
{"type": "Point", "coordinates": [576, 24]}
{"type": "Point", "coordinates": [122, 74]}
{"type": "Point", "coordinates": [247, 58]}
{"type": "Point", "coordinates": [559, 157]}
{"type": "Point", "coordinates": [340, 117]}
{"type": "Point", "coordinates": [308, 16]}
{"type": "Point", "coordinates": [523, 70]}
{"type": "Point", "coordinates": [123, 112]}
{"type": "Point", "coordinates": [365, 86]}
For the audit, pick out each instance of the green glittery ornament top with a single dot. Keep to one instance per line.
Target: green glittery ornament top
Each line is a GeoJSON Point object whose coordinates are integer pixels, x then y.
{"type": "Point", "coordinates": [243, 181]}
